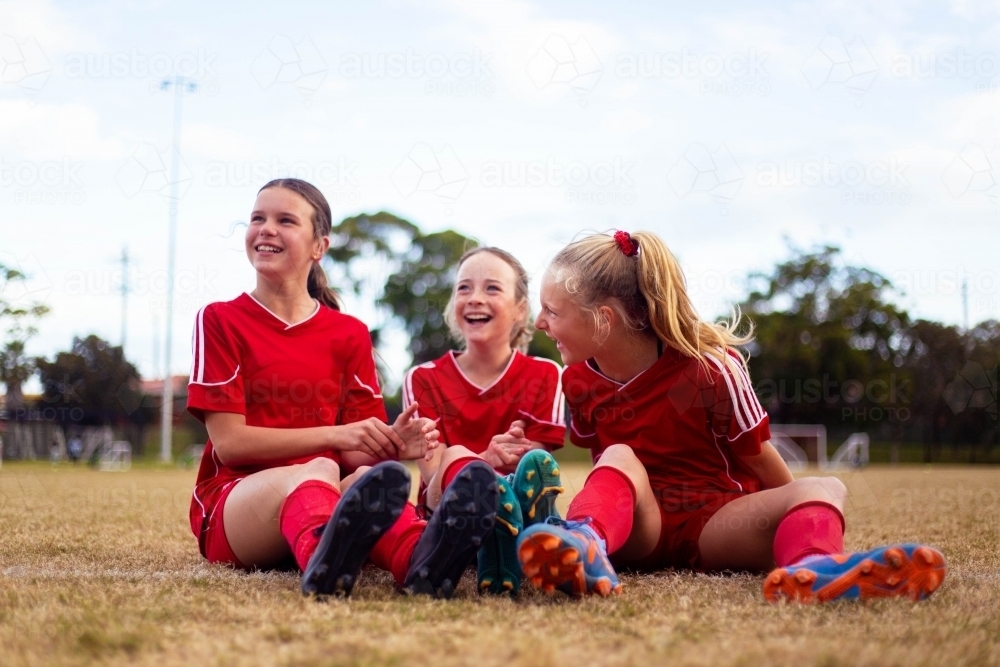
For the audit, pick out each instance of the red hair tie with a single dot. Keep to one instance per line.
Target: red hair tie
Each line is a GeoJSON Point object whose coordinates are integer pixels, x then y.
{"type": "Point", "coordinates": [628, 245]}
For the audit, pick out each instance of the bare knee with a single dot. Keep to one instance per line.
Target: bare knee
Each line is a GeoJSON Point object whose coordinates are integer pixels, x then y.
{"type": "Point", "coordinates": [323, 469]}
{"type": "Point", "coordinates": [826, 489]}
{"type": "Point", "coordinates": [623, 458]}
{"type": "Point", "coordinates": [452, 454]}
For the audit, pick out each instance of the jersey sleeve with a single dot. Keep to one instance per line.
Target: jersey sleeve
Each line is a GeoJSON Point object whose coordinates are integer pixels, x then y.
{"type": "Point", "coordinates": [545, 414]}
{"type": "Point", "coordinates": [216, 382]}
{"type": "Point", "coordinates": [362, 397]}
{"type": "Point", "coordinates": [736, 417]}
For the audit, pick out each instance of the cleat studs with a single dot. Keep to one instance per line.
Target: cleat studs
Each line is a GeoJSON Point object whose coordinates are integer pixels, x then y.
{"type": "Point", "coordinates": [529, 475]}
{"type": "Point", "coordinates": [508, 585]}
{"type": "Point", "coordinates": [894, 557]}
{"type": "Point", "coordinates": [529, 493]}
{"type": "Point", "coordinates": [476, 540]}
{"type": "Point", "coordinates": [450, 522]}
{"type": "Point", "coordinates": [570, 556]}
{"type": "Point", "coordinates": [893, 580]}
{"type": "Point", "coordinates": [502, 489]}
{"type": "Point", "coordinates": [536, 581]}
{"type": "Point", "coordinates": [508, 507]}
{"type": "Point", "coordinates": [377, 474]}
{"type": "Point", "coordinates": [603, 587]}
{"type": "Point", "coordinates": [555, 472]}
{"type": "Point", "coordinates": [375, 529]}
{"type": "Point", "coordinates": [321, 570]}
{"type": "Point", "coordinates": [554, 570]}
{"type": "Point", "coordinates": [549, 588]}
{"type": "Point", "coordinates": [805, 577]}
{"type": "Point", "coordinates": [866, 567]}
{"type": "Point", "coordinates": [531, 571]}
{"type": "Point", "coordinates": [344, 522]}
{"type": "Point", "coordinates": [547, 460]}
{"type": "Point", "coordinates": [775, 577]}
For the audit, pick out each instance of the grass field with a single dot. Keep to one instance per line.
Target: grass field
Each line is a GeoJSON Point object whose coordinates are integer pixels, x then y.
{"type": "Point", "coordinates": [101, 568]}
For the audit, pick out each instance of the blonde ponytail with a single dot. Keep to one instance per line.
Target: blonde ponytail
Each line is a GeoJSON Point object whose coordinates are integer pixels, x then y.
{"type": "Point", "coordinates": [650, 291]}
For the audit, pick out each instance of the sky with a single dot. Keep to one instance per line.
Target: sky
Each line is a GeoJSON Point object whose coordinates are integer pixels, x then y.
{"type": "Point", "coordinates": [732, 130]}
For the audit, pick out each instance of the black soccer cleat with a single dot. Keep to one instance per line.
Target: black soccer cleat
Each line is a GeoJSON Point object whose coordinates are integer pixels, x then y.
{"type": "Point", "coordinates": [455, 532]}
{"type": "Point", "coordinates": [363, 515]}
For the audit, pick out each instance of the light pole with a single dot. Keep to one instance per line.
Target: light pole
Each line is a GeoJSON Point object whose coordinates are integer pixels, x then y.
{"type": "Point", "coordinates": [180, 86]}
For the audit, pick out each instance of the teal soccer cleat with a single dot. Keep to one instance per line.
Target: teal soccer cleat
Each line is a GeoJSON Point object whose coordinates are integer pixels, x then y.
{"type": "Point", "coordinates": [498, 569]}
{"type": "Point", "coordinates": [536, 485]}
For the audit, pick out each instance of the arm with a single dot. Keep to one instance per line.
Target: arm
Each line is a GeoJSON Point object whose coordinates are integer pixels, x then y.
{"type": "Point", "coordinates": [768, 466]}
{"type": "Point", "coordinates": [236, 443]}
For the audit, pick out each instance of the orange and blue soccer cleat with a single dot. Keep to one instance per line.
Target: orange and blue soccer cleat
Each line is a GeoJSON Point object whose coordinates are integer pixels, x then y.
{"type": "Point", "coordinates": [567, 556]}
{"type": "Point", "coordinates": [906, 570]}
{"type": "Point", "coordinates": [536, 483]}
{"type": "Point", "coordinates": [498, 571]}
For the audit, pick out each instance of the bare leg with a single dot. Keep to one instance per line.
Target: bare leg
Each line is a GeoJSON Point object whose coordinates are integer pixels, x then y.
{"type": "Point", "coordinates": [449, 456]}
{"type": "Point", "coordinates": [250, 515]}
{"type": "Point", "coordinates": [646, 522]}
{"type": "Point", "coordinates": [428, 468]}
{"type": "Point", "coordinates": [740, 536]}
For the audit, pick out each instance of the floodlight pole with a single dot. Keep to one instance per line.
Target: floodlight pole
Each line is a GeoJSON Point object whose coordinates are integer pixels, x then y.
{"type": "Point", "coordinates": [179, 84]}
{"type": "Point", "coordinates": [124, 295]}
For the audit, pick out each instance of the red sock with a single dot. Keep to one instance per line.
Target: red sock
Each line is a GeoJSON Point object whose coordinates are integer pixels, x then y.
{"type": "Point", "coordinates": [307, 508]}
{"type": "Point", "coordinates": [393, 550]}
{"type": "Point", "coordinates": [608, 498]}
{"type": "Point", "coordinates": [454, 468]}
{"type": "Point", "coordinates": [810, 528]}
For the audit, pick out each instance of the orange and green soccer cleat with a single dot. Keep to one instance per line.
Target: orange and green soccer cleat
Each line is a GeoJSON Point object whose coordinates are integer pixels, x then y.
{"type": "Point", "coordinates": [567, 556]}
{"type": "Point", "coordinates": [906, 570]}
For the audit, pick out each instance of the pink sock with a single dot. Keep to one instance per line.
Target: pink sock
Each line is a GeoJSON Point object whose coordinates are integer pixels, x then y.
{"type": "Point", "coordinates": [810, 528]}
{"type": "Point", "coordinates": [306, 508]}
{"type": "Point", "coordinates": [608, 498]}
{"type": "Point", "coordinates": [393, 550]}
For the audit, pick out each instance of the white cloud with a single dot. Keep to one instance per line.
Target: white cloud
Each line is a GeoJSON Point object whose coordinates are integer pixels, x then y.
{"type": "Point", "coordinates": [49, 131]}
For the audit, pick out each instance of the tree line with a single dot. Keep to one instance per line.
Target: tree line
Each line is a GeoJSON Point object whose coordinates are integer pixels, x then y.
{"type": "Point", "coordinates": [832, 346]}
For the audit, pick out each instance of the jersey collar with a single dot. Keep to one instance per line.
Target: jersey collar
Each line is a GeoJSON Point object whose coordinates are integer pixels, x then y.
{"type": "Point", "coordinates": [482, 390]}
{"type": "Point", "coordinates": [287, 325]}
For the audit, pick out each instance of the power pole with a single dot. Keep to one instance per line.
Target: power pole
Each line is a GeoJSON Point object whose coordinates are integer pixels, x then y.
{"type": "Point", "coordinates": [965, 302]}
{"type": "Point", "coordinates": [180, 86]}
{"type": "Point", "coordinates": [124, 295]}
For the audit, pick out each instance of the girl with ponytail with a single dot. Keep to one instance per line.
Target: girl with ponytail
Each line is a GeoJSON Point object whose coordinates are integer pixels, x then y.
{"type": "Point", "coordinates": [685, 475]}
{"type": "Point", "coordinates": [301, 466]}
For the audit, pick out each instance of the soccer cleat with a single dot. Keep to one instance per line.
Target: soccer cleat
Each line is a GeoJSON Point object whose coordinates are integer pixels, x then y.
{"type": "Point", "coordinates": [364, 513]}
{"type": "Point", "coordinates": [906, 570]}
{"type": "Point", "coordinates": [456, 531]}
{"type": "Point", "coordinates": [536, 484]}
{"type": "Point", "coordinates": [567, 556]}
{"type": "Point", "coordinates": [498, 570]}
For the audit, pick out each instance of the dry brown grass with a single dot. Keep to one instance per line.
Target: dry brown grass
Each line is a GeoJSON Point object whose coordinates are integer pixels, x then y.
{"type": "Point", "coordinates": [101, 568]}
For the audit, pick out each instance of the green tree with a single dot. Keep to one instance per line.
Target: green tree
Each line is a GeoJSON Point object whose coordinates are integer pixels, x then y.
{"type": "Point", "coordinates": [829, 341]}
{"type": "Point", "coordinates": [418, 291]}
{"type": "Point", "coordinates": [92, 384]}
{"type": "Point", "coordinates": [18, 323]}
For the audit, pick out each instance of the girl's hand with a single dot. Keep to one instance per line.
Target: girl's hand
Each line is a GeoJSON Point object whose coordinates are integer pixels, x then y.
{"type": "Point", "coordinates": [505, 450]}
{"type": "Point", "coordinates": [419, 435]}
{"type": "Point", "coordinates": [371, 436]}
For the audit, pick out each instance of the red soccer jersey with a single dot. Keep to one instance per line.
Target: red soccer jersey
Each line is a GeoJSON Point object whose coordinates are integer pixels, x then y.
{"type": "Point", "coordinates": [529, 389]}
{"type": "Point", "coordinates": [685, 425]}
{"type": "Point", "coordinates": [247, 360]}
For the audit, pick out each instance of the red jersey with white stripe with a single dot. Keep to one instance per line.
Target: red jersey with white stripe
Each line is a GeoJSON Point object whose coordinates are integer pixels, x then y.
{"type": "Point", "coordinates": [686, 425]}
{"type": "Point", "coordinates": [529, 389]}
{"type": "Point", "coordinates": [247, 360]}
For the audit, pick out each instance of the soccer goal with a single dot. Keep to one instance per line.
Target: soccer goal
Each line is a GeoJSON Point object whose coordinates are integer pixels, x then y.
{"type": "Point", "coordinates": [802, 444]}
{"type": "Point", "coordinates": [116, 457]}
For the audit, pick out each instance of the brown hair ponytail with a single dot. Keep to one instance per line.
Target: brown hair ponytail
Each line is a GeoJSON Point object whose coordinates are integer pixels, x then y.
{"type": "Point", "coordinates": [317, 285]}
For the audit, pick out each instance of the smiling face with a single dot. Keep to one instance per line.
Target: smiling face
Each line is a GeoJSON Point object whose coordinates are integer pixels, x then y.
{"type": "Point", "coordinates": [280, 241]}
{"type": "Point", "coordinates": [485, 308]}
{"type": "Point", "coordinates": [566, 323]}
